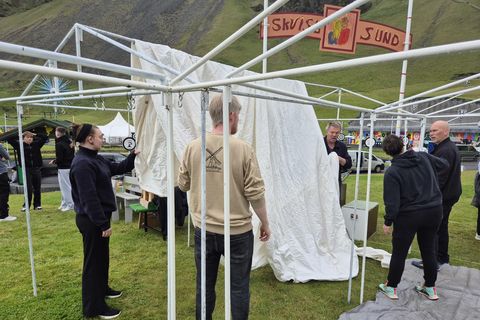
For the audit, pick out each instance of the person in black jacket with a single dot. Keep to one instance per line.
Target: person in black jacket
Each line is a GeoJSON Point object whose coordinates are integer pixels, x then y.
{"type": "Point", "coordinates": [64, 152]}
{"type": "Point", "coordinates": [90, 176]}
{"type": "Point", "coordinates": [413, 204]}
{"type": "Point", "coordinates": [32, 143]}
{"type": "Point", "coordinates": [450, 185]}
{"type": "Point", "coordinates": [333, 145]}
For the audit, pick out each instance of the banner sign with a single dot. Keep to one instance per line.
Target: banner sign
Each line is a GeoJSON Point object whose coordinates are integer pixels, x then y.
{"type": "Point", "coordinates": [355, 31]}
{"type": "Point", "coordinates": [339, 36]}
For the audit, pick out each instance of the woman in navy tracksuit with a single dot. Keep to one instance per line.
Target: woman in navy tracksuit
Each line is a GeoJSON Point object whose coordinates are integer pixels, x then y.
{"type": "Point", "coordinates": [90, 176]}
{"type": "Point", "coordinates": [413, 204]}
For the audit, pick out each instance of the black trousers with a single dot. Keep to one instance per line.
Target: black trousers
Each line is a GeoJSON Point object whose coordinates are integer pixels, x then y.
{"type": "Point", "coordinates": [34, 185]}
{"type": "Point", "coordinates": [96, 259]}
{"type": "Point", "coordinates": [425, 224]}
{"type": "Point", "coordinates": [478, 222]}
{"type": "Point", "coordinates": [441, 241]}
{"type": "Point", "coordinates": [4, 194]}
{"type": "Point", "coordinates": [181, 209]}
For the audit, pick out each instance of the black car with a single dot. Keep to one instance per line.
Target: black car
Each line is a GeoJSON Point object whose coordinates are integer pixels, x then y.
{"type": "Point", "coordinates": [114, 157]}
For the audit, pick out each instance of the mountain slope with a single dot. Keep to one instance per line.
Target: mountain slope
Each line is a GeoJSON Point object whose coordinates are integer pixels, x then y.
{"type": "Point", "coordinates": [197, 26]}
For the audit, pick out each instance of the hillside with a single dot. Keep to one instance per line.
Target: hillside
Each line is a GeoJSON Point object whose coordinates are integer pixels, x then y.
{"type": "Point", "coordinates": [196, 26]}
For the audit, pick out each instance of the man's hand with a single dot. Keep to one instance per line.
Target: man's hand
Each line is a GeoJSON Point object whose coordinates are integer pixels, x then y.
{"type": "Point", "coordinates": [387, 229]}
{"type": "Point", "coordinates": [107, 233]}
{"type": "Point", "coordinates": [342, 161]}
{"type": "Point", "coordinates": [52, 161]}
{"type": "Point", "coordinates": [265, 232]}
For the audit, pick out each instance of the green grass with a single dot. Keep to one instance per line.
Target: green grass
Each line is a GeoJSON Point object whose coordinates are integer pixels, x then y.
{"type": "Point", "coordinates": [138, 266]}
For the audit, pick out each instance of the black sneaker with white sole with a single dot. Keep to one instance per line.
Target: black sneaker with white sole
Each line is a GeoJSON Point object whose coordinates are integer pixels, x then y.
{"type": "Point", "coordinates": [112, 294]}
{"type": "Point", "coordinates": [110, 313]}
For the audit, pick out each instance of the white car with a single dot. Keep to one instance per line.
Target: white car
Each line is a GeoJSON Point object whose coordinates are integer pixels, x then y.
{"type": "Point", "coordinates": [377, 164]}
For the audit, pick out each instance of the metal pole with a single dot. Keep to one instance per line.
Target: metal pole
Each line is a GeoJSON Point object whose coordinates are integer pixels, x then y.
{"type": "Point", "coordinates": [227, 98]}
{"type": "Point", "coordinates": [265, 37]}
{"type": "Point", "coordinates": [338, 65]}
{"type": "Point", "coordinates": [66, 58]}
{"type": "Point", "coordinates": [423, 125]}
{"type": "Point", "coordinates": [25, 67]}
{"type": "Point", "coordinates": [93, 96]}
{"type": "Point", "coordinates": [367, 204]}
{"type": "Point", "coordinates": [339, 101]}
{"type": "Point", "coordinates": [55, 89]}
{"type": "Point", "coordinates": [171, 209]}
{"type": "Point", "coordinates": [22, 99]}
{"type": "Point", "coordinates": [299, 36]}
{"type": "Point", "coordinates": [203, 248]}
{"type": "Point", "coordinates": [357, 181]}
{"type": "Point", "coordinates": [25, 198]}
{"type": "Point", "coordinates": [406, 46]}
{"type": "Point", "coordinates": [239, 33]}
{"type": "Point", "coordinates": [428, 92]}
{"type": "Point", "coordinates": [78, 49]}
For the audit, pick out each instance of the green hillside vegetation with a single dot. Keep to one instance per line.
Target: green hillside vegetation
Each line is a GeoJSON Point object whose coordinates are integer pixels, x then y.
{"type": "Point", "coordinates": [434, 23]}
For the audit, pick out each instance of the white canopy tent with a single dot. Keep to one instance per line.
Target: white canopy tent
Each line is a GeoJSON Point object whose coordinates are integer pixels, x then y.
{"type": "Point", "coordinates": [161, 83]}
{"type": "Point", "coordinates": [309, 239]}
{"type": "Point", "coordinates": [116, 130]}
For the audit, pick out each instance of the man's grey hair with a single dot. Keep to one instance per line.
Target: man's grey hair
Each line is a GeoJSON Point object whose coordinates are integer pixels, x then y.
{"type": "Point", "coordinates": [335, 124]}
{"type": "Point", "coordinates": [216, 108]}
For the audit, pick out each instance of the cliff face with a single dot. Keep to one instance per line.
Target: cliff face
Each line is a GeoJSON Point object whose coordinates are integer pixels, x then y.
{"type": "Point", "coordinates": [9, 7]}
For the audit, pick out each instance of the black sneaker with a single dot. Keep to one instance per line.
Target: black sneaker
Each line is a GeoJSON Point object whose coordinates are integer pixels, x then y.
{"type": "Point", "coordinates": [38, 208]}
{"type": "Point", "coordinates": [110, 313]}
{"type": "Point", "coordinates": [112, 294]}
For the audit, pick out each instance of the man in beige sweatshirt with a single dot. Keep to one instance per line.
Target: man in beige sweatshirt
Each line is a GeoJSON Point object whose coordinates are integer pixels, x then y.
{"type": "Point", "coordinates": [246, 188]}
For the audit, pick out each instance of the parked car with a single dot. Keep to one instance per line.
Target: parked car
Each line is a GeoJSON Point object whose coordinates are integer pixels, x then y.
{"type": "Point", "coordinates": [377, 164]}
{"type": "Point", "coordinates": [468, 152]}
{"type": "Point", "coordinates": [114, 157]}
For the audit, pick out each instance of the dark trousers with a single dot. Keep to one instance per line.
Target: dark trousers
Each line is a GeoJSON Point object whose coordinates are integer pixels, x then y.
{"type": "Point", "coordinates": [425, 224]}
{"type": "Point", "coordinates": [34, 185]}
{"type": "Point", "coordinates": [95, 267]}
{"type": "Point", "coordinates": [4, 194]}
{"type": "Point", "coordinates": [181, 209]}
{"type": "Point", "coordinates": [478, 222]}
{"type": "Point", "coordinates": [241, 252]}
{"type": "Point", "coordinates": [441, 241]}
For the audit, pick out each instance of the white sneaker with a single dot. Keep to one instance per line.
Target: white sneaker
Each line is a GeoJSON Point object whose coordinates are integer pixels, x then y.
{"type": "Point", "coordinates": [66, 209]}
{"type": "Point", "coordinates": [477, 236]}
{"type": "Point", "coordinates": [60, 208]}
{"type": "Point", "coordinates": [8, 218]}
{"type": "Point", "coordinates": [23, 209]}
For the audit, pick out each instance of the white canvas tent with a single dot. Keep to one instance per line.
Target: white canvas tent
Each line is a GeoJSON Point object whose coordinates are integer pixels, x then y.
{"type": "Point", "coordinates": [116, 130]}
{"type": "Point", "coordinates": [309, 239]}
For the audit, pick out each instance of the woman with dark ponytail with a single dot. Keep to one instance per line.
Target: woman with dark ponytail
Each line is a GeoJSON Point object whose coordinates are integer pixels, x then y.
{"type": "Point", "coordinates": [90, 176]}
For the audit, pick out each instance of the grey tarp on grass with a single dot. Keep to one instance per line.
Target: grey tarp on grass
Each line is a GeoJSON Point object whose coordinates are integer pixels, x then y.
{"type": "Point", "coordinates": [458, 289]}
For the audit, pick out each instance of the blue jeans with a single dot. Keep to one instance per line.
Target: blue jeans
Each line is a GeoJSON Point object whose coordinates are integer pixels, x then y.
{"type": "Point", "coordinates": [241, 252]}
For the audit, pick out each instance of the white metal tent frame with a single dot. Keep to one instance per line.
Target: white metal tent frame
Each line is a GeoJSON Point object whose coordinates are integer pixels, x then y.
{"type": "Point", "coordinates": [166, 86]}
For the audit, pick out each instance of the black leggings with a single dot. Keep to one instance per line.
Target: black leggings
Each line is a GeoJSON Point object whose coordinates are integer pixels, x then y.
{"type": "Point", "coordinates": [425, 224]}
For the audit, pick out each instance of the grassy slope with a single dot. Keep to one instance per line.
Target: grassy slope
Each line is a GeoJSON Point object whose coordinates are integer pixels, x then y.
{"type": "Point", "coordinates": [138, 265]}
{"type": "Point", "coordinates": [379, 81]}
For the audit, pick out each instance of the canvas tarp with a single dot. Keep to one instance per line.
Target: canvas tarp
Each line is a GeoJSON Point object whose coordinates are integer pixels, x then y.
{"type": "Point", "coordinates": [309, 240]}
{"type": "Point", "coordinates": [457, 289]}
